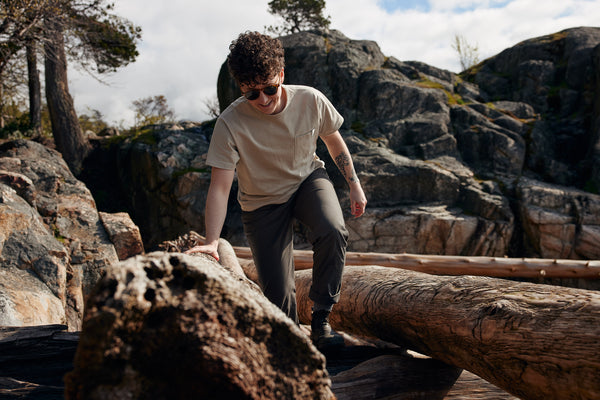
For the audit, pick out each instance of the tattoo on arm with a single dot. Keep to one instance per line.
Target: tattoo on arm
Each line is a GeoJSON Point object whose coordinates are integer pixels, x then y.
{"type": "Point", "coordinates": [344, 164]}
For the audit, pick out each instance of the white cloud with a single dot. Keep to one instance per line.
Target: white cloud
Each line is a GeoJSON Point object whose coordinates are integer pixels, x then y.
{"type": "Point", "coordinates": [185, 42]}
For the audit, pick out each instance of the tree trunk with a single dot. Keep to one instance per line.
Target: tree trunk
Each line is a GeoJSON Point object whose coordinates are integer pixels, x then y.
{"type": "Point", "coordinates": [534, 341]}
{"type": "Point", "coordinates": [65, 126]}
{"type": "Point", "coordinates": [35, 91]}
{"type": "Point", "coordinates": [460, 265]}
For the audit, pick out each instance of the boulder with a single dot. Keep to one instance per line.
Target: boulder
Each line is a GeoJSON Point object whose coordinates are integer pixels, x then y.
{"type": "Point", "coordinates": [34, 265]}
{"type": "Point", "coordinates": [123, 233]}
{"type": "Point", "coordinates": [65, 204]}
{"type": "Point", "coordinates": [168, 325]}
{"type": "Point", "coordinates": [53, 244]}
{"type": "Point", "coordinates": [558, 221]}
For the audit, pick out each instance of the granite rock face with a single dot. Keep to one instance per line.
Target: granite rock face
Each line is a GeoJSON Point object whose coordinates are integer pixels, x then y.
{"type": "Point", "coordinates": [443, 157]}
{"type": "Point", "coordinates": [53, 245]}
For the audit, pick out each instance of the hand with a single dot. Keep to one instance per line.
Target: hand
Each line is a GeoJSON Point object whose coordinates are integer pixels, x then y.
{"type": "Point", "coordinates": [210, 249]}
{"type": "Point", "coordinates": [358, 201]}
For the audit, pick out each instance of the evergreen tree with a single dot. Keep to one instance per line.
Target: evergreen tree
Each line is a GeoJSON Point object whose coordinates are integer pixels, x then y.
{"type": "Point", "coordinates": [95, 38]}
{"type": "Point", "coordinates": [298, 15]}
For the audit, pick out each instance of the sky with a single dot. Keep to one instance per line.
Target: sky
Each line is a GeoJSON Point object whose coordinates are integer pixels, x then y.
{"type": "Point", "coordinates": [184, 42]}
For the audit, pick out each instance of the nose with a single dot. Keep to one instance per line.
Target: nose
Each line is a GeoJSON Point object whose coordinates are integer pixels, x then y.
{"type": "Point", "coordinates": [263, 98]}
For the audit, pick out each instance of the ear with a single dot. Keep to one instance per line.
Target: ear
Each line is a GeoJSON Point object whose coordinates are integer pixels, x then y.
{"type": "Point", "coordinates": [282, 75]}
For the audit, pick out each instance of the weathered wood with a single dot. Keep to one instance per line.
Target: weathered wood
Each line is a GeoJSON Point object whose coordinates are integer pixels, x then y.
{"type": "Point", "coordinates": [460, 265]}
{"type": "Point", "coordinates": [399, 376]}
{"type": "Point", "coordinates": [534, 341]}
{"type": "Point", "coordinates": [34, 359]}
{"type": "Point", "coordinates": [393, 374]}
{"type": "Point", "coordinates": [470, 386]}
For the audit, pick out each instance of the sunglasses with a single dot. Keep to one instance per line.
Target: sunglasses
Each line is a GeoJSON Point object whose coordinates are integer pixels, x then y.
{"type": "Point", "coordinates": [255, 93]}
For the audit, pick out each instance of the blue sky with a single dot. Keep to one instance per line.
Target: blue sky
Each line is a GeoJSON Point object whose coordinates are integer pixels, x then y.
{"type": "Point", "coordinates": [392, 6]}
{"type": "Point", "coordinates": [185, 42]}
{"type": "Point", "coordinates": [396, 5]}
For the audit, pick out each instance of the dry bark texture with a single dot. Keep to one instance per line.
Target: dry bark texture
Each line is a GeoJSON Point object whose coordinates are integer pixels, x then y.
{"type": "Point", "coordinates": [534, 341]}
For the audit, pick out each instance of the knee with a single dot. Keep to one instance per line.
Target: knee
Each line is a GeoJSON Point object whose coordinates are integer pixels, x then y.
{"type": "Point", "coordinates": [333, 233]}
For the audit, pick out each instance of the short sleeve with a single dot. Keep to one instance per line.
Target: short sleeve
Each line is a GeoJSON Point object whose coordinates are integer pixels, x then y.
{"type": "Point", "coordinates": [330, 119]}
{"type": "Point", "coordinates": [222, 152]}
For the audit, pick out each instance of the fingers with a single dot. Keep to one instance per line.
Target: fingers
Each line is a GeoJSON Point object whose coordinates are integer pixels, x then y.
{"type": "Point", "coordinates": [193, 250]}
{"type": "Point", "coordinates": [203, 249]}
{"type": "Point", "coordinates": [358, 209]}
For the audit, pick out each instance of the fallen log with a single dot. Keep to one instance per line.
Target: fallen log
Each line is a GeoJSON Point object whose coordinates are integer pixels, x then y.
{"type": "Point", "coordinates": [460, 265]}
{"type": "Point", "coordinates": [33, 360]}
{"type": "Point", "coordinates": [534, 341]}
{"type": "Point", "coordinates": [396, 376]}
{"type": "Point", "coordinates": [399, 377]}
{"type": "Point", "coordinates": [499, 267]}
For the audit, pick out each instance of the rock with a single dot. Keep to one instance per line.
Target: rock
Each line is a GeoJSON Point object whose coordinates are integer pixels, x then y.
{"type": "Point", "coordinates": [51, 229]}
{"type": "Point", "coordinates": [123, 233]}
{"type": "Point", "coordinates": [168, 325]}
{"type": "Point", "coordinates": [34, 265]}
{"type": "Point", "coordinates": [109, 131]}
{"type": "Point", "coordinates": [594, 150]}
{"type": "Point", "coordinates": [28, 245]}
{"type": "Point", "coordinates": [25, 300]}
{"type": "Point", "coordinates": [163, 172]}
{"type": "Point", "coordinates": [435, 151]}
{"type": "Point", "coordinates": [559, 222]}
{"type": "Point", "coordinates": [401, 131]}
{"type": "Point", "coordinates": [65, 205]}
{"type": "Point", "coordinates": [556, 75]}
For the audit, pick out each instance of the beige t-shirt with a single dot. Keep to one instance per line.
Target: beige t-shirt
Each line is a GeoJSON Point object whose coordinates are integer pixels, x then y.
{"type": "Point", "coordinates": [272, 154]}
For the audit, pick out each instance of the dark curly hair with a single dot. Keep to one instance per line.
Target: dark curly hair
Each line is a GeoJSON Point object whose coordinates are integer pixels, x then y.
{"type": "Point", "coordinates": [255, 58]}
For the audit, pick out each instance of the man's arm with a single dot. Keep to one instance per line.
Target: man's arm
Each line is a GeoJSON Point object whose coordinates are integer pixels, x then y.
{"type": "Point", "coordinates": [216, 210]}
{"type": "Point", "coordinates": [341, 155]}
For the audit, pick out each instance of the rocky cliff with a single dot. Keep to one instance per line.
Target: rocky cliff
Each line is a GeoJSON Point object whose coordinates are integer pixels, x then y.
{"type": "Point", "coordinates": [500, 160]}
{"type": "Point", "coordinates": [503, 159]}
{"type": "Point", "coordinates": [54, 244]}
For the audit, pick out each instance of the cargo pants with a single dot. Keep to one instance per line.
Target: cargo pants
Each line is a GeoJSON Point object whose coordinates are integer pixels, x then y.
{"type": "Point", "coordinates": [270, 234]}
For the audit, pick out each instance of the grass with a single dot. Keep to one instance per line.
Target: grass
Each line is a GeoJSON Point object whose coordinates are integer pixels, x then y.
{"type": "Point", "coordinates": [453, 98]}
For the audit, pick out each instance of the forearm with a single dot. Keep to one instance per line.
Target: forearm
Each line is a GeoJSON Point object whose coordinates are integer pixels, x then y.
{"type": "Point", "coordinates": [216, 203]}
{"type": "Point", "coordinates": [214, 216]}
{"type": "Point", "coordinates": [344, 163]}
{"type": "Point", "coordinates": [341, 156]}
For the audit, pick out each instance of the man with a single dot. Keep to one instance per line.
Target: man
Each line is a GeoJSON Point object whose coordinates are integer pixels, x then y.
{"type": "Point", "coordinates": [269, 136]}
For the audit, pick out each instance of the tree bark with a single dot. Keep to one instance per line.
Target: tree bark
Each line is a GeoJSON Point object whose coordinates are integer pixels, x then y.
{"type": "Point", "coordinates": [534, 341]}
{"type": "Point", "coordinates": [68, 136]}
{"type": "Point", "coordinates": [35, 91]}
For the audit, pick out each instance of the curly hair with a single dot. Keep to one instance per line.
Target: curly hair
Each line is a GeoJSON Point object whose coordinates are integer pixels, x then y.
{"type": "Point", "coordinates": [255, 58]}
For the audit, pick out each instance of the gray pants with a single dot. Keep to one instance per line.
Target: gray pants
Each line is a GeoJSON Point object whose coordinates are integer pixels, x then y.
{"type": "Point", "coordinates": [269, 231]}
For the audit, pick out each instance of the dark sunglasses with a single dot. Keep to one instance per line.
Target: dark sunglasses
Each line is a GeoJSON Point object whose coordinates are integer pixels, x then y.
{"type": "Point", "coordinates": [255, 93]}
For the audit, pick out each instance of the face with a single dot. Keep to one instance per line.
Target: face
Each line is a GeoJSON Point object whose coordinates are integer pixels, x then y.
{"type": "Point", "coordinates": [267, 104]}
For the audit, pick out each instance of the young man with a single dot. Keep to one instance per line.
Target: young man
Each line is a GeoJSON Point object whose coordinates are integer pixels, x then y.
{"type": "Point", "coordinates": [269, 136]}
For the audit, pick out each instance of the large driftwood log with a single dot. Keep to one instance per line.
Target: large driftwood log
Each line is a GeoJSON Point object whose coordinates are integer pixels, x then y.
{"type": "Point", "coordinates": [534, 341]}
{"type": "Point", "coordinates": [33, 360]}
{"type": "Point", "coordinates": [460, 265]}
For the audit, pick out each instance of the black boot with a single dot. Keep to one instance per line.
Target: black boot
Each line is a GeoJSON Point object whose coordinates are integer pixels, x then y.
{"type": "Point", "coordinates": [322, 336]}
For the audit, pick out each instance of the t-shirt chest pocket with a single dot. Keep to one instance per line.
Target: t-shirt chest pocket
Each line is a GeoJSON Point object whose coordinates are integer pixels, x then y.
{"type": "Point", "coordinates": [305, 145]}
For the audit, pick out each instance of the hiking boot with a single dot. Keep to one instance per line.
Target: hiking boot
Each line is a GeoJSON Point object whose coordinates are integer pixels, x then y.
{"type": "Point", "coordinates": [322, 336]}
